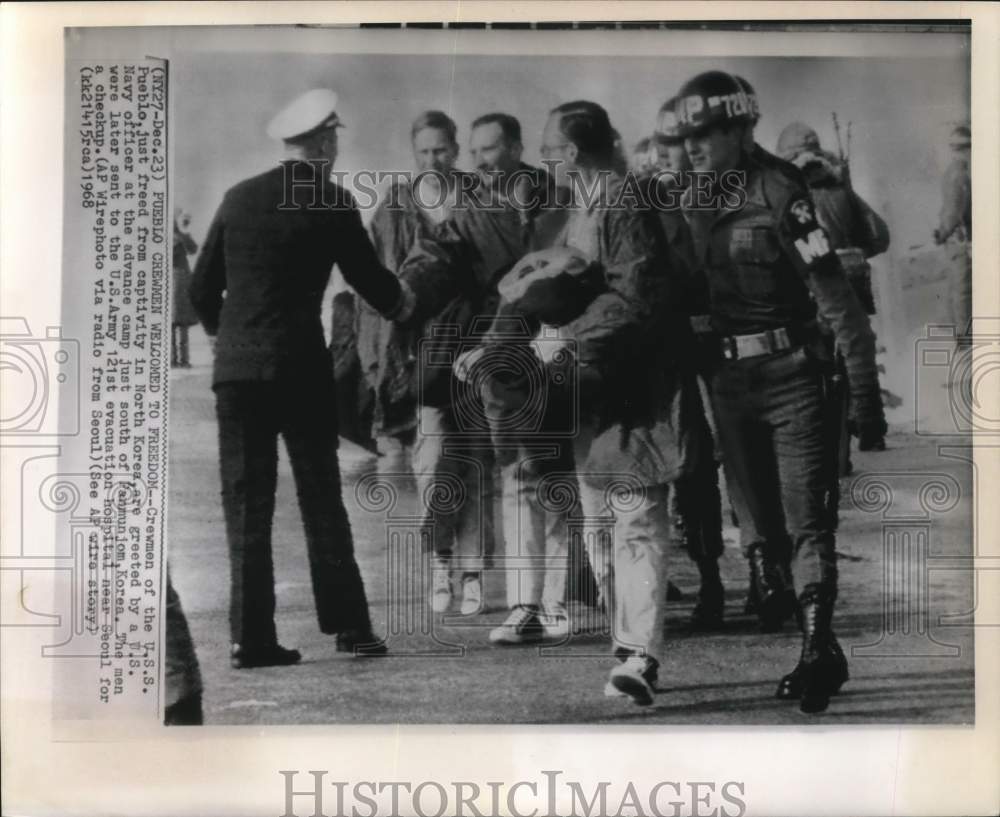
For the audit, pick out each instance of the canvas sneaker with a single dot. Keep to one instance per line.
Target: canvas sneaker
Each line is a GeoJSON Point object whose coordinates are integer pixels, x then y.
{"type": "Point", "coordinates": [555, 622]}
{"type": "Point", "coordinates": [522, 626]}
{"type": "Point", "coordinates": [472, 595]}
{"type": "Point", "coordinates": [441, 588]}
{"type": "Point", "coordinates": [634, 678]}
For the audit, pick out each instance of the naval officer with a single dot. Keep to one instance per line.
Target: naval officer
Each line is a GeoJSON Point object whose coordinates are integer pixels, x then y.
{"type": "Point", "coordinates": [258, 287]}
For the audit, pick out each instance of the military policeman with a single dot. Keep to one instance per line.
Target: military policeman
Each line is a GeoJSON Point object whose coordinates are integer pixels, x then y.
{"type": "Point", "coordinates": [258, 286]}
{"type": "Point", "coordinates": [768, 264]}
{"type": "Point", "coordinates": [855, 353]}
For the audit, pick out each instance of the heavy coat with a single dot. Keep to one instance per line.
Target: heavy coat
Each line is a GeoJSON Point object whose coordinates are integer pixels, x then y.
{"type": "Point", "coordinates": [633, 343]}
{"type": "Point", "coordinates": [454, 268]}
{"type": "Point", "coordinates": [264, 267]}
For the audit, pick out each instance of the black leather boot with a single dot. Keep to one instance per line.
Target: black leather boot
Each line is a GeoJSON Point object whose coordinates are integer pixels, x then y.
{"type": "Point", "coordinates": [822, 667]}
{"type": "Point", "coordinates": [790, 687]}
{"type": "Point", "coordinates": [707, 613]}
{"type": "Point", "coordinates": [775, 595]}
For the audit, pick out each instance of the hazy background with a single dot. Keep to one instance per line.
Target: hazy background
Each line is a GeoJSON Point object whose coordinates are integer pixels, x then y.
{"type": "Point", "coordinates": [901, 91]}
{"type": "Point", "coordinates": [901, 110]}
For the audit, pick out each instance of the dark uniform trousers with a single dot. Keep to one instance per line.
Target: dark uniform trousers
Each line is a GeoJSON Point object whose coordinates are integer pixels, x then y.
{"type": "Point", "coordinates": [251, 417]}
{"type": "Point", "coordinates": [774, 415]}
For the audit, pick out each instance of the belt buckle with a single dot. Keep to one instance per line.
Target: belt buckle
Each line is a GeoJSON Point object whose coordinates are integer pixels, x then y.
{"type": "Point", "coordinates": [754, 345]}
{"type": "Point", "coordinates": [744, 347]}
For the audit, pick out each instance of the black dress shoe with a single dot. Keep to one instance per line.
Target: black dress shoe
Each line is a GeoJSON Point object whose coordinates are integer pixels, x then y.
{"type": "Point", "coordinates": [185, 712]}
{"type": "Point", "coordinates": [273, 656]}
{"type": "Point", "coordinates": [361, 644]}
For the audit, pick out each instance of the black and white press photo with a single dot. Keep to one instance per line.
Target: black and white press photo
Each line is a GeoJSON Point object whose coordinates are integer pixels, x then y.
{"type": "Point", "coordinates": [587, 383]}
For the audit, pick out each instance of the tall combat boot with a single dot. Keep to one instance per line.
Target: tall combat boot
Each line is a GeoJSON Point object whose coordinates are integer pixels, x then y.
{"type": "Point", "coordinates": [775, 595]}
{"type": "Point", "coordinates": [822, 667]}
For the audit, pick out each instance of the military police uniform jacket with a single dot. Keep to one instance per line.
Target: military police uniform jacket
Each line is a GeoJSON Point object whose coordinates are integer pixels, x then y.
{"type": "Point", "coordinates": [770, 265]}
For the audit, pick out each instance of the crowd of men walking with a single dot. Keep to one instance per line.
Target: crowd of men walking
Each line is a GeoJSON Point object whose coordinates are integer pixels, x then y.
{"type": "Point", "coordinates": [594, 337]}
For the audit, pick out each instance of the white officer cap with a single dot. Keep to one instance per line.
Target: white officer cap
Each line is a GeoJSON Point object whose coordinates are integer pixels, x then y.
{"type": "Point", "coordinates": [312, 111]}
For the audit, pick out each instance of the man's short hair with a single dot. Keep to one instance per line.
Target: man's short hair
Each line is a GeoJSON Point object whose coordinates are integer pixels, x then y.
{"type": "Point", "coordinates": [438, 120]}
{"type": "Point", "coordinates": [509, 125]}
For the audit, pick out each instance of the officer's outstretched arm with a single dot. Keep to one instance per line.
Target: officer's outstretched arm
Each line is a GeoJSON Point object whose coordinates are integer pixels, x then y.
{"type": "Point", "coordinates": [362, 269]}
{"type": "Point", "coordinates": [208, 281]}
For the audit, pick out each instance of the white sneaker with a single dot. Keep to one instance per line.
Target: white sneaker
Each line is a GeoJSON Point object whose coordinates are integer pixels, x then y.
{"type": "Point", "coordinates": [521, 626]}
{"type": "Point", "coordinates": [441, 591]}
{"type": "Point", "coordinates": [555, 622]}
{"type": "Point", "coordinates": [611, 691]}
{"type": "Point", "coordinates": [632, 678]}
{"type": "Point", "coordinates": [472, 595]}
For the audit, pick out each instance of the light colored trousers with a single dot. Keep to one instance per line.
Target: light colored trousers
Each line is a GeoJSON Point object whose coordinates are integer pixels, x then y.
{"type": "Point", "coordinates": [539, 495]}
{"type": "Point", "coordinates": [626, 535]}
{"type": "Point", "coordinates": [454, 474]}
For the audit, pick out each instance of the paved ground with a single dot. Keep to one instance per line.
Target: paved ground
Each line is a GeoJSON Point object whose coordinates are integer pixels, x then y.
{"type": "Point", "coordinates": [907, 665]}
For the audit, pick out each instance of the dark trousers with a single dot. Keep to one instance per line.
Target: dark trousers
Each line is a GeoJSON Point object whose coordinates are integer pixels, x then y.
{"type": "Point", "coordinates": [696, 512]}
{"type": "Point", "coordinates": [251, 417]}
{"type": "Point", "coordinates": [778, 431]}
{"type": "Point", "coordinates": [183, 675]}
